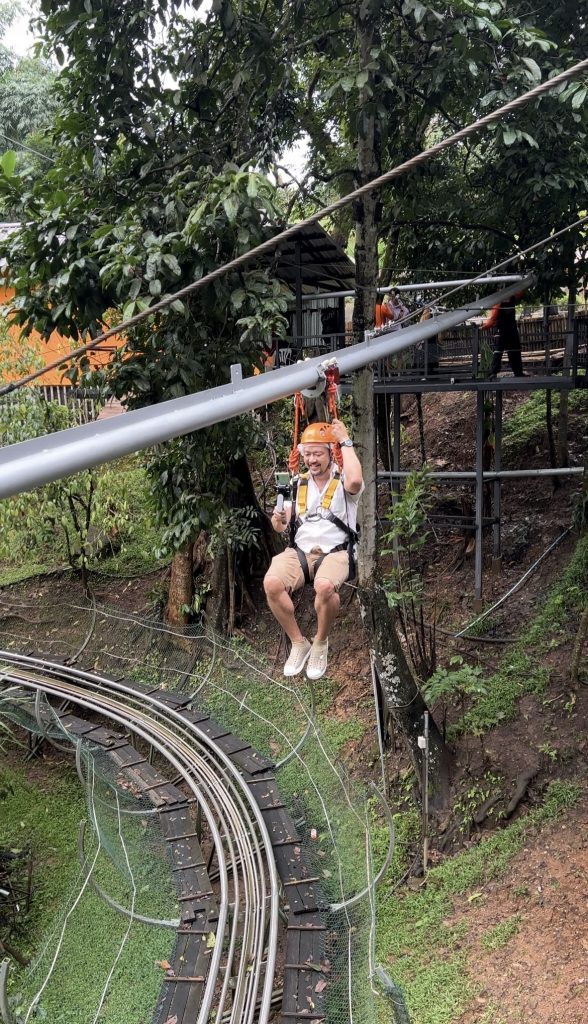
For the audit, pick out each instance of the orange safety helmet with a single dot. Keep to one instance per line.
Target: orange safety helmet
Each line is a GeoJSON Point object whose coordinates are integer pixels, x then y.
{"type": "Point", "coordinates": [318, 433]}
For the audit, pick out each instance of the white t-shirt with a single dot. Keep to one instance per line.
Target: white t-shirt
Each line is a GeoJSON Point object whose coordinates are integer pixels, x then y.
{"type": "Point", "coordinates": [319, 532]}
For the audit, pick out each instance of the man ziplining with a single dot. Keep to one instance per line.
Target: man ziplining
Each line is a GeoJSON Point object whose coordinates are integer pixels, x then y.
{"type": "Point", "coordinates": [322, 519]}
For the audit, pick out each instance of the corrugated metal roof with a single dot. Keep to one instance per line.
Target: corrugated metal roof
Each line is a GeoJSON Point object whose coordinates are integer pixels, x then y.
{"type": "Point", "coordinates": [324, 266]}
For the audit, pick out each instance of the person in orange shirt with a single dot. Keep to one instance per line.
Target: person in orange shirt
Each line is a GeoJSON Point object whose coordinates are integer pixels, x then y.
{"type": "Point", "coordinates": [383, 313]}
{"type": "Point", "coordinates": [506, 338]}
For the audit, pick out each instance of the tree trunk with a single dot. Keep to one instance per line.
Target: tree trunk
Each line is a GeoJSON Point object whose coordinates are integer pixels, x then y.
{"type": "Point", "coordinates": [400, 694]}
{"type": "Point", "coordinates": [232, 579]}
{"type": "Point", "coordinates": [255, 560]}
{"type": "Point", "coordinates": [181, 587]}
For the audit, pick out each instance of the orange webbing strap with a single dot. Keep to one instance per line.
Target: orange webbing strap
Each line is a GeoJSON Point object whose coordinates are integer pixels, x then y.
{"type": "Point", "coordinates": [294, 458]}
{"type": "Point", "coordinates": [332, 379]}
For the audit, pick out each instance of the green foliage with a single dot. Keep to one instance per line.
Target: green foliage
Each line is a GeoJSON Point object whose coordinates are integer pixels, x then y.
{"type": "Point", "coordinates": [526, 425]}
{"type": "Point", "coordinates": [94, 931]}
{"type": "Point", "coordinates": [459, 681]}
{"type": "Point", "coordinates": [501, 934]}
{"type": "Point", "coordinates": [161, 197]}
{"type": "Point", "coordinates": [474, 795]}
{"type": "Point", "coordinates": [454, 685]}
{"type": "Point", "coordinates": [234, 530]}
{"type": "Point", "coordinates": [26, 99]}
{"type": "Point", "coordinates": [433, 69]}
{"type": "Point", "coordinates": [404, 583]}
{"type": "Point", "coordinates": [520, 670]}
{"type": "Point", "coordinates": [74, 518]}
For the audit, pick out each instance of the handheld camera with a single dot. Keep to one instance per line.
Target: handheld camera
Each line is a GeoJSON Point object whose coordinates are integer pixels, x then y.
{"type": "Point", "coordinates": [284, 489]}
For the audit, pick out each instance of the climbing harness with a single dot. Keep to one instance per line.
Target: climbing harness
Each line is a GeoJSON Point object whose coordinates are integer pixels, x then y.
{"type": "Point", "coordinates": [318, 433]}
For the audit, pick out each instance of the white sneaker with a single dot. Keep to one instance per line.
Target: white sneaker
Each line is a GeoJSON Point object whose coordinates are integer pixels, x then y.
{"type": "Point", "coordinates": [317, 663]}
{"type": "Point", "coordinates": [298, 657]}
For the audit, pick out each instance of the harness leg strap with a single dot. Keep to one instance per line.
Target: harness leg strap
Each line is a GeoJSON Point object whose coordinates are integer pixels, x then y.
{"type": "Point", "coordinates": [303, 564]}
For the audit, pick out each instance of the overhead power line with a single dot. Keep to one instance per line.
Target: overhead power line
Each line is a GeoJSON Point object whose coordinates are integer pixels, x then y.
{"type": "Point", "coordinates": [272, 243]}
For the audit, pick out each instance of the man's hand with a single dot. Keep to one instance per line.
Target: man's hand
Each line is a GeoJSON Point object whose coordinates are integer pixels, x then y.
{"type": "Point", "coordinates": [280, 519]}
{"type": "Point", "coordinates": [339, 430]}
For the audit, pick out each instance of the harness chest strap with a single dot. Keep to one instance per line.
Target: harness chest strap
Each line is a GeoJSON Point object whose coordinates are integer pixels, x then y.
{"type": "Point", "coordinates": [327, 496]}
{"type": "Point", "coordinates": [300, 503]}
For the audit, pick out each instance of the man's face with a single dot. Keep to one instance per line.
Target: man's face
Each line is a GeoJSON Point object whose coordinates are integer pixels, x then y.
{"type": "Point", "coordinates": [318, 458]}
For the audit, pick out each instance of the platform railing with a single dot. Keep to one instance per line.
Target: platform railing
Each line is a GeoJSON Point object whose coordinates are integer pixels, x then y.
{"type": "Point", "coordinates": [294, 347]}
{"type": "Point", "coordinates": [549, 347]}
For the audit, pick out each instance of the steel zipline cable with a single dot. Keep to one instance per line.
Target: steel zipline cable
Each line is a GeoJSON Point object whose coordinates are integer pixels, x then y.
{"type": "Point", "coordinates": [27, 149]}
{"type": "Point", "coordinates": [288, 233]}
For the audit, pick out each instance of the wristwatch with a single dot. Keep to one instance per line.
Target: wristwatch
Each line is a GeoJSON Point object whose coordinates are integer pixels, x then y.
{"type": "Point", "coordinates": [348, 443]}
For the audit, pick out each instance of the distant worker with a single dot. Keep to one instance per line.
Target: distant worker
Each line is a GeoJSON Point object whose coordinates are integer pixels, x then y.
{"type": "Point", "coordinates": [383, 314]}
{"type": "Point", "coordinates": [323, 535]}
{"type": "Point", "coordinates": [506, 337]}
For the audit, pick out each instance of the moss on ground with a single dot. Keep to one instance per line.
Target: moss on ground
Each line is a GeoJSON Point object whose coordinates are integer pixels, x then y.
{"type": "Point", "coordinates": [521, 670]}
{"type": "Point", "coordinates": [527, 422]}
{"type": "Point", "coordinates": [424, 953]}
{"type": "Point", "coordinates": [45, 816]}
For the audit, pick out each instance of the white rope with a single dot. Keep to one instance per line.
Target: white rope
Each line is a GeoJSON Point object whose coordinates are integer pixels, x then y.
{"type": "Point", "coordinates": [131, 918]}
{"type": "Point", "coordinates": [37, 997]}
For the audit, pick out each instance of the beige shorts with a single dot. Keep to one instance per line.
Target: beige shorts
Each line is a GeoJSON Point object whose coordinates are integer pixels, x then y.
{"type": "Point", "coordinates": [287, 568]}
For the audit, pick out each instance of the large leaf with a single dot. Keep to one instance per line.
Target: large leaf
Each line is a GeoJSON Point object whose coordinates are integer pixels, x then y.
{"type": "Point", "coordinates": [8, 162]}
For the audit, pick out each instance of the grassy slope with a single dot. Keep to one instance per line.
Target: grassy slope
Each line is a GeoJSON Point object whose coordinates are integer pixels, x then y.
{"type": "Point", "coordinates": [426, 955]}
{"type": "Point", "coordinates": [521, 669]}
{"type": "Point", "coordinates": [47, 818]}
{"type": "Point", "coordinates": [527, 422]}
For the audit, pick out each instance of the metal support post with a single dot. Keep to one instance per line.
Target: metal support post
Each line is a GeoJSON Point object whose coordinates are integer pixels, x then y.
{"type": "Point", "coordinates": [496, 487]}
{"type": "Point", "coordinates": [396, 429]}
{"type": "Point", "coordinates": [298, 331]}
{"type": "Point", "coordinates": [546, 340]}
{"type": "Point", "coordinates": [426, 795]}
{"type": "Point", "coordinates": [480, 397]}
{"type": "Point", "coordinates": [475, 351]}
{"type": "Point", "coordinates": [396, 454]}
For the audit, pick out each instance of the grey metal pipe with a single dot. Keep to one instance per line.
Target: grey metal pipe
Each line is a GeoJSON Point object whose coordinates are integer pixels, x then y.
{"type": "Point", "coordinates": [503, 474]}
{"type": "Point", "coordinates": [419, 286]}
{"type": "Point", "coordinates": [32, 463]}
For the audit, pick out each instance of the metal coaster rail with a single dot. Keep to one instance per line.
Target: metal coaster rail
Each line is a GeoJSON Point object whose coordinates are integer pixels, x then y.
{"type": "Point", "coordinates": [241, 839]}
{"type": "Point", "coordinates": [259, 851]}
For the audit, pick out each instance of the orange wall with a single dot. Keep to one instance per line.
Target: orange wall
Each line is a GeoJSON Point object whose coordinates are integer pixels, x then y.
{"type": "Point", "coordinates": [54, 348]}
